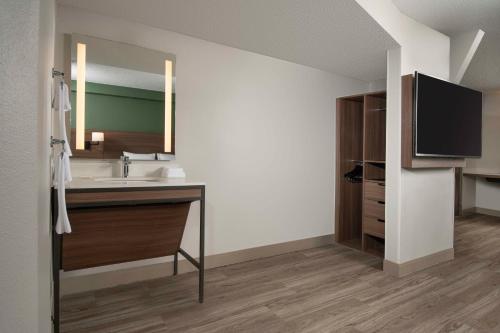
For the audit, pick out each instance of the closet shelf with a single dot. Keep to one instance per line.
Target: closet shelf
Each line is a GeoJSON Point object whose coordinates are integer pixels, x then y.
{"type": "Point", "coordinates": [374, 162]}
{"type": "Point", "coordinates": [374, 234]}
{"type": "Point", "coordinates": [373, 180]}
{"type": "Point", "coordinates": [367, 161]}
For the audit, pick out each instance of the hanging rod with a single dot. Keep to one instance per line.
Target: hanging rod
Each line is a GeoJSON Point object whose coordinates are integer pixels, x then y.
{"type": "Point", "coordinates": [57, 73]}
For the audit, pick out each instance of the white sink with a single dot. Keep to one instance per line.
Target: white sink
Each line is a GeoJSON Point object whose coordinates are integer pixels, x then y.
{"type": "Point", "coordinates": [116, 182]}
{"type": "Point", "coordinates": [127, 180]}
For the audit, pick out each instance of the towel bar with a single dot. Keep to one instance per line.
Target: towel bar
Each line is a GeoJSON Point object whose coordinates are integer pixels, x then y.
{"type": "Point", "coordinates": [56, 73]}
{"type": "Point", "coordinates": [56, 141]}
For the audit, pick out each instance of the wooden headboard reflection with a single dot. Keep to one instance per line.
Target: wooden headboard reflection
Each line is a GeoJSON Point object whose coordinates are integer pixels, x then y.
{"type": "Point", "coordinates": [115, 142]}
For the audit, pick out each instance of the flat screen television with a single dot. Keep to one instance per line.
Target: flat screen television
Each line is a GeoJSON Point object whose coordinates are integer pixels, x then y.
{"type": "Point", "coordinates": [447, 119]}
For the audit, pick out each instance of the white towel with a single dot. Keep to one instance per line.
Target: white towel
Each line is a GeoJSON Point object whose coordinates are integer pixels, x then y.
{"type": "Point", "coordinates": [165, 157]}
{"type": "Point", "coordinates": [61, 102]}
{"type": "Point", "coordinates": [139, 157]}
{"type": "Point", "coordinates": [63, 167]}
{"type": "Point", "coordinates": [62, 225]}
{"type": "Point", "coordinates": [173, 172]}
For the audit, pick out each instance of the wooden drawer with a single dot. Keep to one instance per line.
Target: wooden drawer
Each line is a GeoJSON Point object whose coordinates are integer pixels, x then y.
{"type": "Point", "coordinates": [83, 198]}
{"type": "Point", "coordinates": [374, 208]}
{"type": "Point", "coordinates": [374, 226]}
{"type": "Point", "coordinates": [375, 190]}
{"type": "Point", "coordinates": [111, 235]}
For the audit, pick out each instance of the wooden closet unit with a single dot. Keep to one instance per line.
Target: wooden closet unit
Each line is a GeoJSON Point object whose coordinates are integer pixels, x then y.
{"type": "Point", "coordinates": [360, 172]}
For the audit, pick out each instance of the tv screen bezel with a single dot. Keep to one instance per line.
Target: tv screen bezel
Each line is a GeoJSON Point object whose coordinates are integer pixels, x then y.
{"type": "Point", "coordinates": [415, 108]}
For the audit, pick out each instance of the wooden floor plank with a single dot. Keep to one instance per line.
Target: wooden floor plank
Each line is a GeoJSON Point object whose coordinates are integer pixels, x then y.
{"type": "Point", "coordinates": [326, 289]}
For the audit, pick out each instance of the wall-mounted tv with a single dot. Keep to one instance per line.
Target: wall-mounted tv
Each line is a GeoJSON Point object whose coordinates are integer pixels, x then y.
{"type": "Point", "coordinates": [447, 119]}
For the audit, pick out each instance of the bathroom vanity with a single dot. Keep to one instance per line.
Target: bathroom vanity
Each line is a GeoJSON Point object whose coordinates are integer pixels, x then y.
{"type": "Point", "coordinates": [116, 220]}
{"type": "Point", "coordinates": [123, 105]}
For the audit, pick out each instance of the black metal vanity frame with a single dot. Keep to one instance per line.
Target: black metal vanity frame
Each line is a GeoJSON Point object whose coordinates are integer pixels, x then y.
{"type": "Point", "coordinates": [57, 239]}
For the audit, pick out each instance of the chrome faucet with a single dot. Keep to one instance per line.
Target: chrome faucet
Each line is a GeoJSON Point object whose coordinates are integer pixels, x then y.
{"type": "Point", "coordinates": [125, 163]}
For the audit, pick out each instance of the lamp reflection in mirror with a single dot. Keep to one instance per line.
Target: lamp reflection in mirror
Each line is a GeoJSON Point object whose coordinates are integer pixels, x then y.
{"type": "Point", "coordinates": [81, 54]}
{"type": "Point", "coordinates": [97, 136]}
{"type": "Point", "coordinates": [95, 140]}
{"type": "Point", "coordinates": [168, 106]}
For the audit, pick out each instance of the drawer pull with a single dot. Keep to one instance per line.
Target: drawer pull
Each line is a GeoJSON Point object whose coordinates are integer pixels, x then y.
{"type": "Point", "coordinates": [381, 202]}
{"type": "Point", "coordinates": [381, 220]}
{"type": "Point", "coordinates": [381, 184]}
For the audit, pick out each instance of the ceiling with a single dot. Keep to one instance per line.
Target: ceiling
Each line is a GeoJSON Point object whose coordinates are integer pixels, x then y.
{"type": "Point", "coordinates": [332, 35]}
{"type": "Point", "coordinates": [453, 17]}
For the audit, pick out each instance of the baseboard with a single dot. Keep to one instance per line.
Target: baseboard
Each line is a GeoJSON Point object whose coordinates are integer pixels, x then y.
{"type": "Point", "coordinates": [82, 283]}
{"type": "Point", "coordinates": [469, 211]}
{"type": "Point", "coordinates": [400, 270]}
{"type": "Point", "coordinates": [486, 211]}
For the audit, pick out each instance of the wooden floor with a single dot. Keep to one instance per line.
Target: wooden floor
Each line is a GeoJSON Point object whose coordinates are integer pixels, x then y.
{"type": "Point", "coordinates": [327, 289]}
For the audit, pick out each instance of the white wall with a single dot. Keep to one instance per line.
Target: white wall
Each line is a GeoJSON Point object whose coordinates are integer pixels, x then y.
{"type": "Point", "coordinates": [377, 85]}
{"type": "Point", "coordinates": [258, 130]}
{"type": "Point", "coordinates": [393, 157]}
{"type": "Point", "coordinates": [419, 203]}
{"type": "Point", "coordinates": [487, 195]}
{"type": "Point", "coordinates": [46, 62]}
{"type": "Point", "coordinates": [26, 34]}
{"type": "Point", "coordinates": [481, 193]}
{"type": "Point", "coordinates": [463, 47]}
{"type": "Point", "coordinates": [490, 159]}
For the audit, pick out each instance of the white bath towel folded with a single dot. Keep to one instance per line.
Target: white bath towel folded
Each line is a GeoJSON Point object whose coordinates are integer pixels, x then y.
{"type": "Point", "coordinates": [165, 157]}
{"type": "Point", "coordinates": [140, 157]}
{"type": "Point", "coordinates": [173, 172]}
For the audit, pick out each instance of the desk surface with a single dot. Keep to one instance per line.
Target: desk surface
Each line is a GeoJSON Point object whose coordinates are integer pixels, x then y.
{"type": "Point", "coordinates": [483, 173]}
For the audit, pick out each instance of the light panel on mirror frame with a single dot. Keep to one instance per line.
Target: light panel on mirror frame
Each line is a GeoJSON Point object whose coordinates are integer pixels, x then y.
{"type": "Point", "coordinates": [168, 106]}
{"type": "Point", "coordinates": [81, 54]}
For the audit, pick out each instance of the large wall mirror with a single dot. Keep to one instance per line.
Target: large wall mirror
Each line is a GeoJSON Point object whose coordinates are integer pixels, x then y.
{"type": "Point", "coordinates": [122, 97]}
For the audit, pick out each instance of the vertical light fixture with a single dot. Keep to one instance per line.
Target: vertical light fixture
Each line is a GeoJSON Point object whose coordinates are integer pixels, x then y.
{"type": "Point", "coordinates": [81, 55]}
{"type": "Point", "coordinates": [168, 106]}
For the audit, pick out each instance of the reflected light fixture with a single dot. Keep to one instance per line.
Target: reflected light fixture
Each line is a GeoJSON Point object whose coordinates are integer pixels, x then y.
{"type": "Point", "coordinates": [168, 106]}
{"type": "Point", "coordinates": [95, 140]}
{"type": "Point", "coordinates": [97, 137]}
{"type": "Point", "coordinates": [81, 54]}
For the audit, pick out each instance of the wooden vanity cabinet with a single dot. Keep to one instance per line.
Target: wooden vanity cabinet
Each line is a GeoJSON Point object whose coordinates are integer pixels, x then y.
{"type": "Point", "coordinates": [110, 235]}
{"type": "Point", "coordinates": [116, 225]}
{"type": "Point", "coordinates": [122, 224]}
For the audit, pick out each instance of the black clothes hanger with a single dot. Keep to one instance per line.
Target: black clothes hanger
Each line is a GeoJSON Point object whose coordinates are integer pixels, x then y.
{"type": "Point", "coordinates": [355, 175]}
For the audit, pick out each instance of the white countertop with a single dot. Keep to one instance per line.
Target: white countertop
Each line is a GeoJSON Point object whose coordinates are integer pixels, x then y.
{"type": "Point", "coordinates": [101, 182]}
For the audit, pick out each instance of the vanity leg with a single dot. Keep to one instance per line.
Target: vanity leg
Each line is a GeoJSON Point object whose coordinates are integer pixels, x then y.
{"type": "Point", "coordinates": [56, 262]}
{"type": "Point", "coordinates": [202, 245]}
{"type": "Point", "coordinates": [176, 262]}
